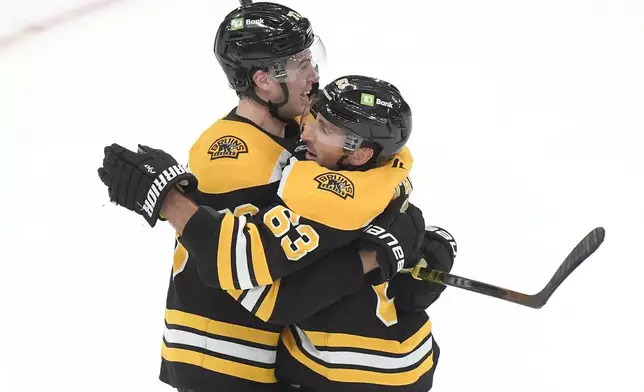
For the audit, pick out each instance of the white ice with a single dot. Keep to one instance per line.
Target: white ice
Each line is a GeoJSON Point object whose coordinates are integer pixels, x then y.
{"type": "Point", "coordinates": [528, 119]}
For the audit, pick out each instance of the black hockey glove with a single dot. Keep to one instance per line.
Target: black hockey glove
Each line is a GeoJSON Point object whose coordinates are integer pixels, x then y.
{"type": "Point", "coordinates": [140, 181]}
{"type": "Point", "coordinates": [396, 237]}
{"type": "Point", "coordinates": [438, 252]}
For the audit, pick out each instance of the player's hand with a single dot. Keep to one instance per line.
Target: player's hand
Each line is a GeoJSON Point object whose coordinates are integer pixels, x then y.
{"type": "Point", "coordinates": [140, 181]}
{"type": "Point", "coordinates": [396, 237]}
{"type": "Point", "coordinates": [438, 252]}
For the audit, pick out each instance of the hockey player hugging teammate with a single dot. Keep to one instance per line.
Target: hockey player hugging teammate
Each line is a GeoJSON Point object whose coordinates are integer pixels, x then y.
{"type": "Point", "coordinates": [265, 239]}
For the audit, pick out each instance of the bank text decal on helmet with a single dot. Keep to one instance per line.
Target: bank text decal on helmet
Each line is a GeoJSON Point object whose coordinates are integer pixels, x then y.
{"type": "Point", "coordinates": [263, 36]}
{"type": "Point", "coordinates": [372, 112]}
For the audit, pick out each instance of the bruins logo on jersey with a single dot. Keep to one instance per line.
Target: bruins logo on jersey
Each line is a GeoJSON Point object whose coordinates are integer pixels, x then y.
{"type": "Point", "coordinates": [336, 183]}
{"type": "Point", "coordinates": [227, 147]}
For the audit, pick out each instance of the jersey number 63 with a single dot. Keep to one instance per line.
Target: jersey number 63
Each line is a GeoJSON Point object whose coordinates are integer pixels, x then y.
{"type": "Point", "coordinates": [280, 221]}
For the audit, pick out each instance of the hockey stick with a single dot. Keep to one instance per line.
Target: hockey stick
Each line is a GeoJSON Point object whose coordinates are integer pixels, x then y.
{"type": "Point", "coordinates": [581, 252]}
{"type": "Point", "coordinates": [244, 3]}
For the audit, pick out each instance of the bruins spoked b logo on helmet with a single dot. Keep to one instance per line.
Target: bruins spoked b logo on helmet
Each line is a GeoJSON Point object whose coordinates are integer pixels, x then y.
{"type": "Point", "coordinates": [227, 147]}
{"type": "Point", "coordinates": [337, 184]}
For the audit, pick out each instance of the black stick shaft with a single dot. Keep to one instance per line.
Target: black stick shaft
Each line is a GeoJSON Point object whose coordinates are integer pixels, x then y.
{"type": "Point", "coordinates": [581, 252]}
{"type": "Point", "coordinates": [476, 286]}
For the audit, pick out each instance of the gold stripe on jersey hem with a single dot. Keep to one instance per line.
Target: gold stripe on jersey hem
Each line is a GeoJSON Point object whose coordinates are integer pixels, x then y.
{"type": "Point", "coordinates": [355, 375]}
{"type": "Point", "coordinates": [200, 323]}
{"type": "Point", "coordinates": [222, 348]}
{"type": "Point", "coordinates": [326, 339]}
{"type": "Point", "coordinates": [219, 365]}
{"type": "Point", "coordinates": [364, 359]}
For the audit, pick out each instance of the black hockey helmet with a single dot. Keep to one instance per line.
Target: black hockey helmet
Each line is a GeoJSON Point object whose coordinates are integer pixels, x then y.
{"type": "Point", "coordinates": [371, 111]}
{"type": "Point", "coordinates": [261, 36]}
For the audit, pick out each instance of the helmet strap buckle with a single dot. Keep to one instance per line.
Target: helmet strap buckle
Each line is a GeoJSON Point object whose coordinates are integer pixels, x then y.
{"type": "Point", "coordinates": [278, 69]}
{"type": "Point", "coordinates": [351, 142]}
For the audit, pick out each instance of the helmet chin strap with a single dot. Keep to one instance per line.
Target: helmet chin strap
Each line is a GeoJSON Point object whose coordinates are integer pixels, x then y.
{"type": "Point", "coordinates": [272, 106]}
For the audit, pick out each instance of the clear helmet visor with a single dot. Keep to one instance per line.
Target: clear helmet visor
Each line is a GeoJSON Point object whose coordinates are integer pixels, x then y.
{"type": "Point", "coordinates": [300, 73]}
{"type": "Point", "coordinates": [303, 67]}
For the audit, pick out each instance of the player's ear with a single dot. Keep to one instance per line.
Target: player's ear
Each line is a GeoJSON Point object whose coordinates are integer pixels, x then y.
{"type": "Point", "coordinates": [361, 156]}
{"type": "Point", "coordinates": [262, 80]}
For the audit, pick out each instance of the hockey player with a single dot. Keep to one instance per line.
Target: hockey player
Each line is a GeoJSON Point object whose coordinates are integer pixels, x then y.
{"type": "Point", "coordinates": [211, 342]}
{"type": "Point", "coordinates": [380, 330]}
{"type": "Point", "coordinates": [365, 342]}
{"type": "Point", "coordinates": [362, 342]}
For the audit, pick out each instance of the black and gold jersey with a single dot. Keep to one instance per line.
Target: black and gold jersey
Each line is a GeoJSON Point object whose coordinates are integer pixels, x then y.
{"type": "Point", "coordinates": [317, 210]}
{"type": "Point", "coordinates": [361, 343]}
{"type": "Point", "coordinates": [211, 341]}
{"type": "Point", "coordinates": [270, 208]}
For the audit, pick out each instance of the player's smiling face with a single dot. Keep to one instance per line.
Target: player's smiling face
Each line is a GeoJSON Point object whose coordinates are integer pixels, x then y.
{"type": "Point", "coordinates": [324, 142]}
{"type": "Point", "coordinates": [301, 75]}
